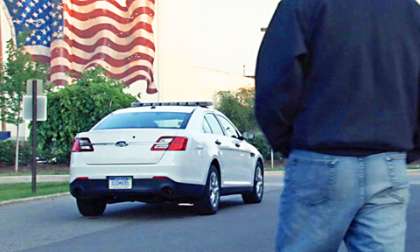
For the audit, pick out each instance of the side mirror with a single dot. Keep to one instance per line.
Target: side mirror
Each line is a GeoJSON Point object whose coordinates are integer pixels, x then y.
{"type": "Point", "coordinates": [241, 138]}
{"type": "Point", "coordinates": [248, 136]}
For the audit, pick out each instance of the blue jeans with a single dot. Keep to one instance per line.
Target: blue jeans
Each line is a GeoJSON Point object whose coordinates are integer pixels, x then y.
{"type": "Point", "coordinates": [328, 199]}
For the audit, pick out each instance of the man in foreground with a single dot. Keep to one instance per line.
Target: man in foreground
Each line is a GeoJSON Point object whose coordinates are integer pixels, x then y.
{"type": "Point", "coordinates": [337, 90]}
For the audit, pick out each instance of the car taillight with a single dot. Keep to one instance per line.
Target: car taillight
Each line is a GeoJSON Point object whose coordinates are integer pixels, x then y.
{"type": "Point", "coordinates": [82, 145]}
{"type": "Point", "coordinates": [170, 144]}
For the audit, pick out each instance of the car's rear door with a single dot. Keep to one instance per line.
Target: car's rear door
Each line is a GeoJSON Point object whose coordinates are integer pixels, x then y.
{"type": "Point", "coordinates": [240, 154]}
{"type": "Point", "coordinates": [226, 150]}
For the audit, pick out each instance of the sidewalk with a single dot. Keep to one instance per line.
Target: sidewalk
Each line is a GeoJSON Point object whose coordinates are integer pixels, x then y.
{"type": "Point", "coordinates": [27, 179]}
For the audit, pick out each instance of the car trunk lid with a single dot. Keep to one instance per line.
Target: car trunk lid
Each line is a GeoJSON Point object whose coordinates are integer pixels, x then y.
{"type": "Point", "coordinates": [125, 147]}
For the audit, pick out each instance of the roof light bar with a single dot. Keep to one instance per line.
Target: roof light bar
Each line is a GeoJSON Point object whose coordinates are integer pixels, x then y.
{"type": "Point", "coordinates": [156, 104]}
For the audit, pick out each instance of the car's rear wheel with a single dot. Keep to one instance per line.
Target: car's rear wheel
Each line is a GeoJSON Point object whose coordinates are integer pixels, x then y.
{"type": "Point", "coordinates": [91, 208]}
{"type": "Point", "coordinates": [209, 204]}
{"type": "Point", "coordinates": [257, 193]}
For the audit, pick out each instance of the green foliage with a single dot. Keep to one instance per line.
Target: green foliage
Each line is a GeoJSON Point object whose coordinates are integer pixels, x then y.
{"type": "Point", "coordinates": [18, 69]}
{"type": "Point", "coordinates": [262, 145]}
{"type": "Point", "coordinates": [77, 108]}
{"type": "Point", "coordinates": [7, 153]}
{"type": "Point", "coordinates": [239, 107]}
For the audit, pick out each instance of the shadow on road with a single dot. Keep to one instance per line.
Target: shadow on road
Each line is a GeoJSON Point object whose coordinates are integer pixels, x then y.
{"type": "Point", "coordinates": [140, 211]}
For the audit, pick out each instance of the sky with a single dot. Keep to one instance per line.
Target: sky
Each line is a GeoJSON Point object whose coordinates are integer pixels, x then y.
{"type": "Point", "coordinates": [228, 32]}
{"type": "Point", "coordinates": [204, 44]}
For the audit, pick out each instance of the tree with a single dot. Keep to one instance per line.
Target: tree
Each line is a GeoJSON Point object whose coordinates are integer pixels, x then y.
{"type": "Point", "coordinates": [19, 68]}
{"type": "Point", "coordinates": [239, 107]}
{"type": "Point", "coordinates": [76, 108]}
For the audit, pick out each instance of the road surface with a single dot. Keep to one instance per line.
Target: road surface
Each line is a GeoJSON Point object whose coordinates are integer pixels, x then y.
{"type": "Point", "coordinates": [55, 225]}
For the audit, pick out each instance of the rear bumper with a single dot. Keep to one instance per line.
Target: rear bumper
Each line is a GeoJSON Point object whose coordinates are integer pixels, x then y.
{"type": "Point", "coordinates": [146, 190]}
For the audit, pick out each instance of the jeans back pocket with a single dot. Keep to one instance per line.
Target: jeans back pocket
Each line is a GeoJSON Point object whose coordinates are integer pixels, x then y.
{"type": "Point", "coordinates": [397, 170]}
{"type": "Point", "coordinates": [311, 180]}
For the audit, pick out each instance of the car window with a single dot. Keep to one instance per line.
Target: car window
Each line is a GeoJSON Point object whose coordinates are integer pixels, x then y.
{"type": "Point", "coordinates": [206, 127]}
{"type": "Point", "coordinates": [214, 124]}
{"type": "Point", "coordinates": [145, 120]}
{"type": "Point", "coordinates": [228, 127]}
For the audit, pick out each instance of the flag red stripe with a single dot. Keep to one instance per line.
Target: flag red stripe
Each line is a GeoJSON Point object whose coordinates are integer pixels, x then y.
{"type": "Point", "coordinates": [41, 59]}
{"type": "Point", "coordinates": [60, 83]}
{"type": "Point", "coordinates": [137, 78]}
{"type": "Point", "coordinates": [109, 43]}
{"type": "Point", "coordinates": [92, 31]}
{"type": "Point", "coordinates": [62, 52]}
{"type": "Point", "coordinates": [113, 2]}
{"type": "Point", "coordinates": [106, 13]}
{"type": "Point", "coordinates": [66, 69]}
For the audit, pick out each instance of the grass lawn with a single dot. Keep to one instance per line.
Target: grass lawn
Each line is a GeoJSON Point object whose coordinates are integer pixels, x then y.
{"type": "Point", "coordinates": [24, 190]}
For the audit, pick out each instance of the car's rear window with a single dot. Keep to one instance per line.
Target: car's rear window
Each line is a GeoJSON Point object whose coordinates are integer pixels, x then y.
{"type": "Point", "coordinates": [145, 120]}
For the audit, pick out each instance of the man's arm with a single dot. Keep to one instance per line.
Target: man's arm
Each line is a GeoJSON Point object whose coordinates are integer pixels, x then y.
{"type": "Point", "coordinates": [414, 155]}
{"type": "Point", "coordinates": [280, 75]}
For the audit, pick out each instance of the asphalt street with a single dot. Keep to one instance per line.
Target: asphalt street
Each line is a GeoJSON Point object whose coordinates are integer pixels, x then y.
{"type": "Point", "coordinates": [55, 225]}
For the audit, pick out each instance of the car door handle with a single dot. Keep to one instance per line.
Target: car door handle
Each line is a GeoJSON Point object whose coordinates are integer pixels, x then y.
{"type": "Point", "coordinates": [199, 147]}
{"type": "Point", "coordinates": [218, 142]}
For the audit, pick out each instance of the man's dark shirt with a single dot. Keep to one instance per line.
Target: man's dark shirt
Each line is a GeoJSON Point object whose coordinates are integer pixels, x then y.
{"type": "Point", "coordinates": [341, 76]}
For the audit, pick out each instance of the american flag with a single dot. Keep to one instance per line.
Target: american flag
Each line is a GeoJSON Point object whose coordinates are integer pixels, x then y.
{"type": "Point", "coordinates": [75, 35]}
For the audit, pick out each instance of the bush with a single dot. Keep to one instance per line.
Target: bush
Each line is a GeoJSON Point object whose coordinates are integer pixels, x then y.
{"type": "Point", "coordinates": [262, 145]}
{"type": "Point", "coordinates": [7, 153]}
{"type": "Point", "coordinates": [76, 108]}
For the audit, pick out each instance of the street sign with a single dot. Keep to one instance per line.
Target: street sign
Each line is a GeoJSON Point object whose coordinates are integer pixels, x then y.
{"type": "Point", "coordinates": [41, 108]}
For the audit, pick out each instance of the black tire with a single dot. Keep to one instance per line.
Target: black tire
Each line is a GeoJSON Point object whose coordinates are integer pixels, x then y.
{"type": "Point", "coordinates": [209, 205]}
{"type": "Point", "coordinates": [91, 208]}
{"type": "Point", "coordinates": [257, 193]}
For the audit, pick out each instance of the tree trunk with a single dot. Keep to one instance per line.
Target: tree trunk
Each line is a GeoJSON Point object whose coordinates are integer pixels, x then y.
{"type": "Point", "coordinates": [3, 122]}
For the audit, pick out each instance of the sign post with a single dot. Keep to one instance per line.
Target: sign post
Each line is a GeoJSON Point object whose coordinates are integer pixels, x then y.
{"type": "Point", "coordinates": [34, 109]}
{"type": "Point", "coordinates": [34, 122]}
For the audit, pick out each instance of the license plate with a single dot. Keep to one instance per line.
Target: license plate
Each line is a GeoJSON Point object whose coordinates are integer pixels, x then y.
{"type": "Point", "coordinates": [120, 183]}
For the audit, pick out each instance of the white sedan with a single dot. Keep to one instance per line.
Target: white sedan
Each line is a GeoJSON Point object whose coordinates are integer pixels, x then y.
{"type": "Point", "coordinates": [158, 152]}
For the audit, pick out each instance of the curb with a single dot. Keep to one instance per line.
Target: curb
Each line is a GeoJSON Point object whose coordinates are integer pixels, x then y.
{"type": "Point", "coordinates": [23, 200]}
